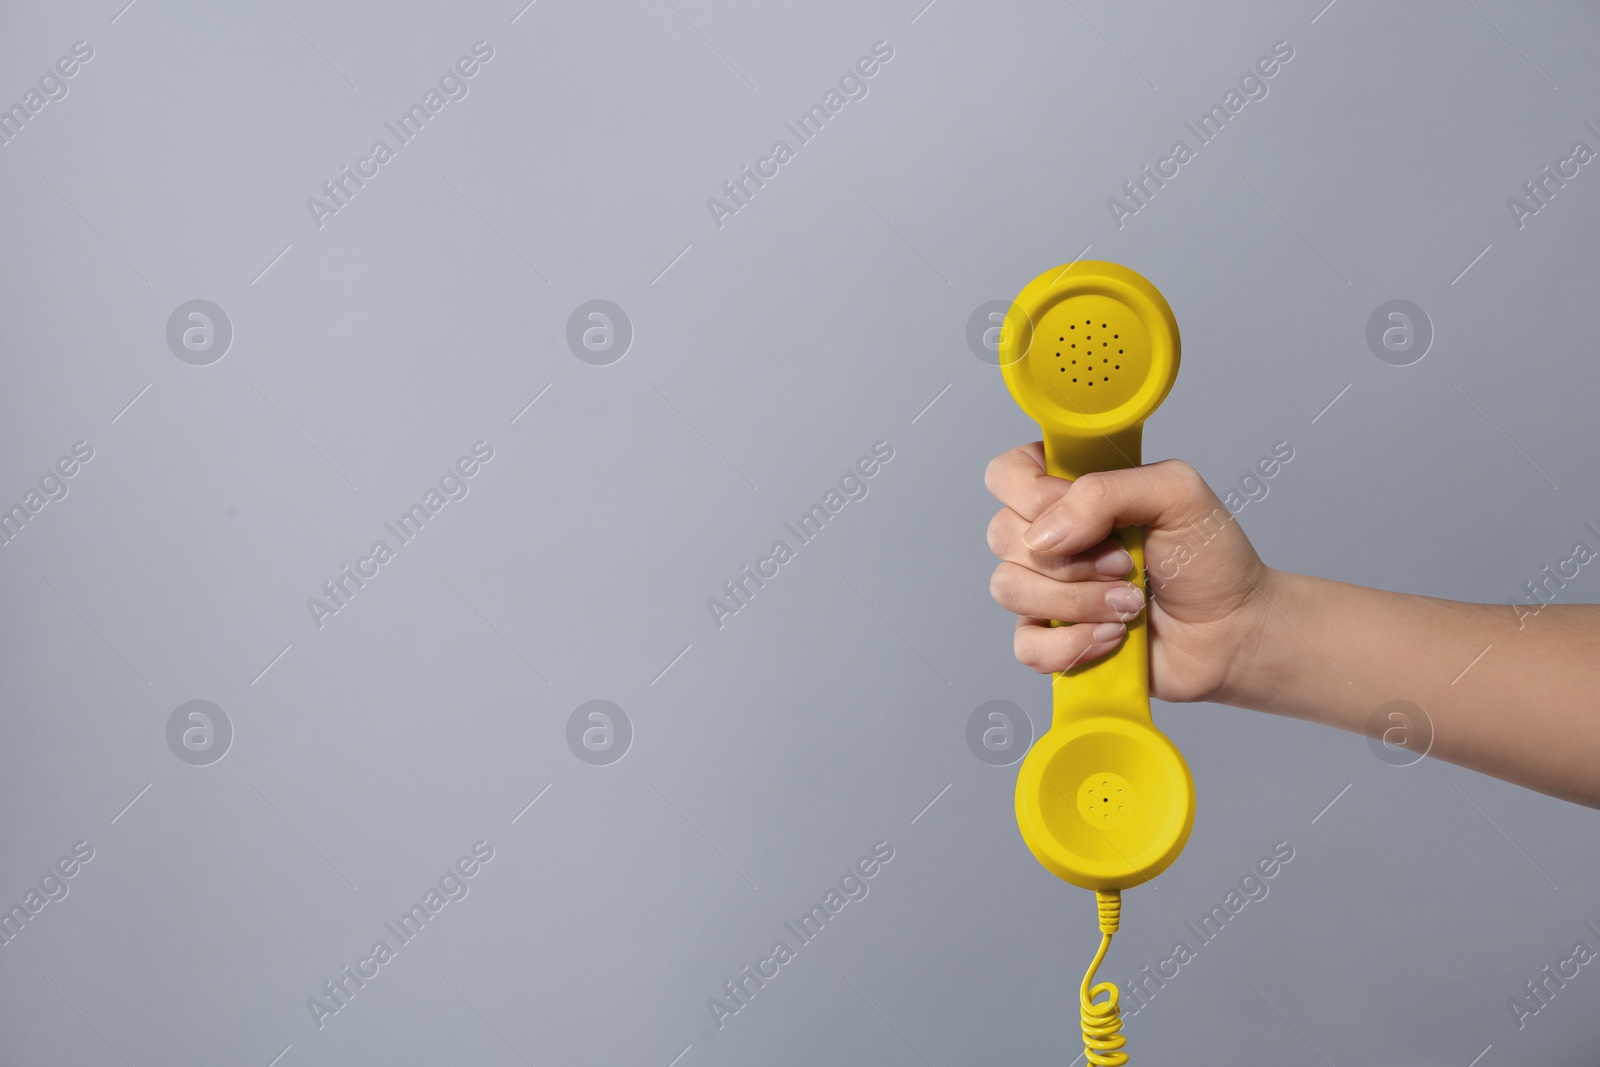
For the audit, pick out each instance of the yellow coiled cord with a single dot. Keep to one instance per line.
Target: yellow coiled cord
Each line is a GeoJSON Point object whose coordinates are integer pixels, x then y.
{"type": "Point", "coordinates": [1102, 1020]}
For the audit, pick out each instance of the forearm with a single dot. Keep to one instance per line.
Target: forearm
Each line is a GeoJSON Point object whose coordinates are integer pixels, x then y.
{"type": "Point", "coordinates": [1526, 710]}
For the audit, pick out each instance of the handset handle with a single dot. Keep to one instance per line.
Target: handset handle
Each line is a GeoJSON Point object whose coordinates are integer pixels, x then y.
{"type": "Point", "coordinates": [1119, 683]}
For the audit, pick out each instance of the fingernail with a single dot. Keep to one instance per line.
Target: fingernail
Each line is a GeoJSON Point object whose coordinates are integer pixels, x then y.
{"type": "Point", "coordinates": [1048, 532]}
{"type": "Point", "coordinates": [1108, 631]}
{"type": "Point", "coordinates": [1115, 564]}
{"type": "Point", "coordinates": [1124, 598]}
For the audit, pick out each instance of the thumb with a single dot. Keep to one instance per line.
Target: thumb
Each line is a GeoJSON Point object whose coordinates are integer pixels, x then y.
{"type": "Point", "coordinates": [1165, 496]}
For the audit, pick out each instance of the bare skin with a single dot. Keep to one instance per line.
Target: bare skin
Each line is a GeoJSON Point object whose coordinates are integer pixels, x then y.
{"type": "Point", "coordinates": [1227, 628]}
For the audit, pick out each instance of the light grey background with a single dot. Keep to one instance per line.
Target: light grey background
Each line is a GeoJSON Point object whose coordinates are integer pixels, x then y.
{"type": "Point", "coordinates": [768, 355]}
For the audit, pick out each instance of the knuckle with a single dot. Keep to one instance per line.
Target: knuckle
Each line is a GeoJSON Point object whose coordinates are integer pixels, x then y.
{"type": "Point", "coordinates": [1047, 493]}
{"type": "Point", "coordinates": [1003, 469]}
{"type": "Point", "coordinates": [1022, 648]}
{"type": "Point", "coordinates": [1092, 491]}
{"type": "Point", "coordinates": [999, 532]}
{"type": "Point", "coordinates": [1003, 585]}
{"type": "Point", "coordinates": [1187, 480]}
{"type": "Point", "coordinates": [991, 474]}
{"type": "Point", "coordinates": [1029, 651]}
{"type": "Point", "coordinates": [1192, 499]}
{"type": "Point", "coordinates": [1015, 588]}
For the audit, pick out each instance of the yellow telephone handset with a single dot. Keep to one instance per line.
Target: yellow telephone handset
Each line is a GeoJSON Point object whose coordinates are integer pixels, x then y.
{"type": "Point", "coordinates": [1104, 799]}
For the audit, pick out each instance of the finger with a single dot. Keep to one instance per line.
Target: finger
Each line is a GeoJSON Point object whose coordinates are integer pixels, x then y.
{"type": "Point", "coordinates": [1103, 562]}
{"type": "Point", "coordinates": [1017, 589]}
{"type": "Point", "coordinates": [1017, 479]}
{"type": "Point", "coordinates": [1167, 495]}
{"type": "Point", "coordinates": [1048, 648]}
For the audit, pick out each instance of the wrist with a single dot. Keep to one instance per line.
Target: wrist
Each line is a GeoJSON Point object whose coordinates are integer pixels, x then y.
{"type": "Point", "coordinates": [1261, 671]}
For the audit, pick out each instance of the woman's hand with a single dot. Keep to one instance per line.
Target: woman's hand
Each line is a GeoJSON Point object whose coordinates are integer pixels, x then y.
{"type": "Point", "coordinates": [1209, 590]}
